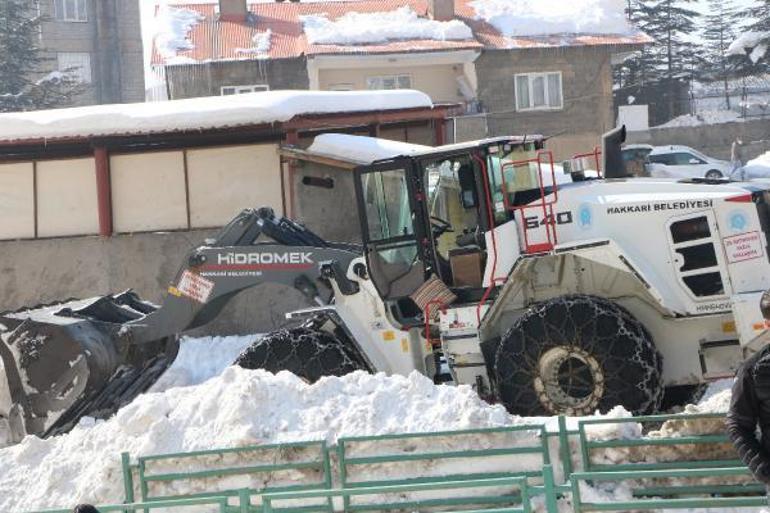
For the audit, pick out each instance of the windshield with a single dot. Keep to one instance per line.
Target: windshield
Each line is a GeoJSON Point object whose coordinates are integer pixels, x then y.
{"type": "Point", "coordinates": [506, 177]}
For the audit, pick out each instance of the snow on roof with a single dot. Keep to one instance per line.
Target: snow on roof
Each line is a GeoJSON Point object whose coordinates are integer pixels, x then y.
{"type": "Point", "coordinates": [536, 17]}
{"type": "Point", "coordinates": [407, 28]}
{"type": "Point", "coordinates": [172, 25]}
{"type": "Point", "coordinates": [360, 149]}
{"type": "Point", "coordinates": [199, 113]}
{"type": "Point", "coordinates": [753, 43]}
{"type": "Point", "coordinates": [377, 27]}
{"type": "Point", "coordinates": [706, 117]}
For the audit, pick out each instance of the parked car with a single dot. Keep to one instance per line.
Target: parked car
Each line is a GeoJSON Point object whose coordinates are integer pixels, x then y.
{"type": "Point", "coordinates": [685, 162]}
{"type": "Point", "coordinates": [635, 158]}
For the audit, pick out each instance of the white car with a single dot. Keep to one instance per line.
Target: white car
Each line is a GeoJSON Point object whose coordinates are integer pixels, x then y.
{"type": "Point", "coordinates": [685, 162]}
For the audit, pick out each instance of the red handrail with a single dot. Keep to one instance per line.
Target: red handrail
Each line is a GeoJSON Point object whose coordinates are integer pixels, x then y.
{"type": "Point", "coordinates": [544, 203]}
{"type": "Point", "coordinates": [487, 293]}
{"type": "Point", "coordinates": [595, 154]}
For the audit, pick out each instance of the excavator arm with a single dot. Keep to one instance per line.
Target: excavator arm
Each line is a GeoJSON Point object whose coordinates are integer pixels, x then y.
{"type": "Point", "coordinates": [80, 358]}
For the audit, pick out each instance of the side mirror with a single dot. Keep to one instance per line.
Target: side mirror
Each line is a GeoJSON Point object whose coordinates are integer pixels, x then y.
{"type": "Point", "coordinates": [694, 161]}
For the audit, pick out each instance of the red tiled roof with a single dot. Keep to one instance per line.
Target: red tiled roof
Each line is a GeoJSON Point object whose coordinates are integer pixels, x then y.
{"type": "Point", "coordinates": [214, 39]}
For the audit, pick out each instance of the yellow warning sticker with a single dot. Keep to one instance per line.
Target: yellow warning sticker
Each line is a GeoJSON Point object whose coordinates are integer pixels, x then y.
{"type": "Point", "coordinates": [389, 335]}
{"type": "Point", "coordinates": [404, 345]}
{"type": "Point", "coordinates": [728, 327]}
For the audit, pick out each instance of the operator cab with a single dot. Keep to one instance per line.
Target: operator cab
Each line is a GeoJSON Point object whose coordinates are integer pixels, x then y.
{"type": "Point", "coordinates": [427, 214]}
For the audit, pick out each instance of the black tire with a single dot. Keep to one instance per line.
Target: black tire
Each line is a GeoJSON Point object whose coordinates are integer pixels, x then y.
{"type": "Point", "coordinates": [305, 351]}
{"type": "Point", "coordinates": [676, 397]}
{"type": "Point", "coordinates": [574, 355]}
{"type": "Point", "coordinates": [714, 175]}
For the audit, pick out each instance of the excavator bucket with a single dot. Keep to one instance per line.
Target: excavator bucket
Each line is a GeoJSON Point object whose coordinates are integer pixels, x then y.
{"type": "Point", "coordinates": [75, 359]}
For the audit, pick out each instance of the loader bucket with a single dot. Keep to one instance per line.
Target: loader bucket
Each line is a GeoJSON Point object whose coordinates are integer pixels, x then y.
{"type": "Point", "coordinates": [75, 359]}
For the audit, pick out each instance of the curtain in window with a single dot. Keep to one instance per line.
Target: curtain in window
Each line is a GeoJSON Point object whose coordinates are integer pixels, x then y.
{"type": "Point", "coordinates": [554, 90]}
{"type": "Point", "coordinates": [522, 92]}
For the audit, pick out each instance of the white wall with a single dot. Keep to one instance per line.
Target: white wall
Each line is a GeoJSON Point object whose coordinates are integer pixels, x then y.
{"type": "Point", "coordinates": [223, 181]}
{"type": "Point", "coordinates": [66, 197]}
{"type": "Point", "coordinates": [17, 206]}
{"type": "Point", "coordinates": [148, 192]}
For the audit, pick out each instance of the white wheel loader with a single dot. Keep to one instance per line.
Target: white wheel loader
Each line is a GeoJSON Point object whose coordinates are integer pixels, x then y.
{"type": "Point", "coordinates": [478, 267]}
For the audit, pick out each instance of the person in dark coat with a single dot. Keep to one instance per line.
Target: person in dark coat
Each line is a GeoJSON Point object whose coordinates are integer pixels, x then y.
{"type": "Point", "coordinates": [85, 508]}
{"type": "Point", "coordinates": [750, 409]}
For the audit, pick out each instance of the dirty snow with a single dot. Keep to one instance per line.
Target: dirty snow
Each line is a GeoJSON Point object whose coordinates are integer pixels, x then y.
{"type": "Point", "coordinates": [535, 17]}
{"type": "Point", "coordinates": [361, 149]}
{"type": "Point", "coordinates": [199, 113]}
{"type": "Point", "coordinates": [356, 28]}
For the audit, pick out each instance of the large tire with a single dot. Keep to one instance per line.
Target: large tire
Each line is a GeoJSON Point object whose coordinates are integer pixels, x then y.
{"type": "Point", "coordinates": [574, 355]}
{"type": "Point", "coordinates": [308, 352]}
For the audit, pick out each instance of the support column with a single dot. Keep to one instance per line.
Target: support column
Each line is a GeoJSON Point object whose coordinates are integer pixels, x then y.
{"type": "Point", "coordinates": [103, 190]}
{"type": "Point", "coordinates": [438, 132]}
{"type": "Point", "coordinates": [292, 139]}
{"type": "Point", "coordinates": [374, 130]}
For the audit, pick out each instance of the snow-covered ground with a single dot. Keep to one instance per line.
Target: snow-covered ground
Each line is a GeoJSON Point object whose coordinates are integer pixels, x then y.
{"type": "Point", "coordinates": [203, 403]}
{"type": "Point", "coordinates": [703, 118]}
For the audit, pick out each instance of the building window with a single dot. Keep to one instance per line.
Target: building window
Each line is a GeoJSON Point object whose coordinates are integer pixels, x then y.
{"type": "Point", "coordinates": [341, 87]}
{"type": "Point", "coordinates": [71, 10]}
{"type": "Point", "coordinates": [230, 90]}
{"type": "Point", "coordinates": [539, 91]}
{"type": "Point", "coordinates": [75, 64]}
{"type": "Point", "coordinates": [389, 82]}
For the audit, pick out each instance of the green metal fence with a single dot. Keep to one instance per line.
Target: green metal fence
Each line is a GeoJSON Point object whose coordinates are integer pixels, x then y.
{"type": "Point", "coordinates": [384, 450]}
{"type": "Point", "coordinates": [691, 481]}
{"type": "Point", "coordinates": [671, 496]}
{"type": "Point", "coordinates": [219, 505]}
{"type": "Point", "coordinates": [649, 447]}
{"type": "Point", "coordinates": [279, 463]}
{"type": "Point", "coordinates": [502, 495]}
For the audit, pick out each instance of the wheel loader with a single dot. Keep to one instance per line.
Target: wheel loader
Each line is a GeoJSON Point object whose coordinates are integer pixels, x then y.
{"type": "Point", "coordinates": [479, 266]}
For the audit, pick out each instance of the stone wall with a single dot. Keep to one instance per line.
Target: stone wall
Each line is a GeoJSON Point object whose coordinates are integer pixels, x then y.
{"type": "Point", "coordinates": [191, 81]}
{"type": "Point", "coordinates": [587, 90]}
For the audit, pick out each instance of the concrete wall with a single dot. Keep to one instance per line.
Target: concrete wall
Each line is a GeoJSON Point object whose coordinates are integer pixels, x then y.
{"type": "Point", "coordinates": [713, 140]}
{"type": "Point", "coordinates": [191, 81]}
{"type": "Point", "coordinates": [43, 271]}
{"type": "Point", "coordinates": [439, 82]}
{"type": "Point", "coordinates": [587, 92]}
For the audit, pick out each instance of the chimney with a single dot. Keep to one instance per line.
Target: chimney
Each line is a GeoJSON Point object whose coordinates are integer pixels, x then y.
{"type": "Point", "coordinates": [233, 10]}
{"type": "Point", "coordinates": [441, 10]}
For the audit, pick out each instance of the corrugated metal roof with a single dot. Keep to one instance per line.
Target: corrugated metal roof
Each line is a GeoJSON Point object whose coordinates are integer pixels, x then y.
{"type": "Point", "coordinates": [216, 40]}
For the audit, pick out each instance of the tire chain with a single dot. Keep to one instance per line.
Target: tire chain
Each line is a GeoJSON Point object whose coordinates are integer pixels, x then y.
{"type": "Point", "coordinates": [305, 351]}
{"type": "Point", "coordinates": [605, 330]}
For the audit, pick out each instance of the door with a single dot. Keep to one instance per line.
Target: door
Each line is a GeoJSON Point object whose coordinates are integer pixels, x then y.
{"type": "Point", "coordinates": [387, 198]}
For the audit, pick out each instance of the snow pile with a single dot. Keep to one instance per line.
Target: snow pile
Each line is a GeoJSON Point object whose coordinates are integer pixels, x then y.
{"type": "Point", "coordinates": [239, 407]}
{"type": "Point", "coordinates": [172, 25]}
{"type": "Point", "coordinates": [201, 359]}
{"type": "Point", "coordinates": [759, 167]}
{"type": "Point", "coordinates": [535, 17]}
{"type": "Point", "coordinates": [355, 28]}
{"type": "Point", "coordinates": [713, 117]}
{"type": "Point", "coordinates": [199, 113]}
{"type": "Point", "coordinates": [755, 44]}
{"type": "Point", "coordinates": [361, 149]}
{"type": "Point", "coordinates": [261, 44]}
